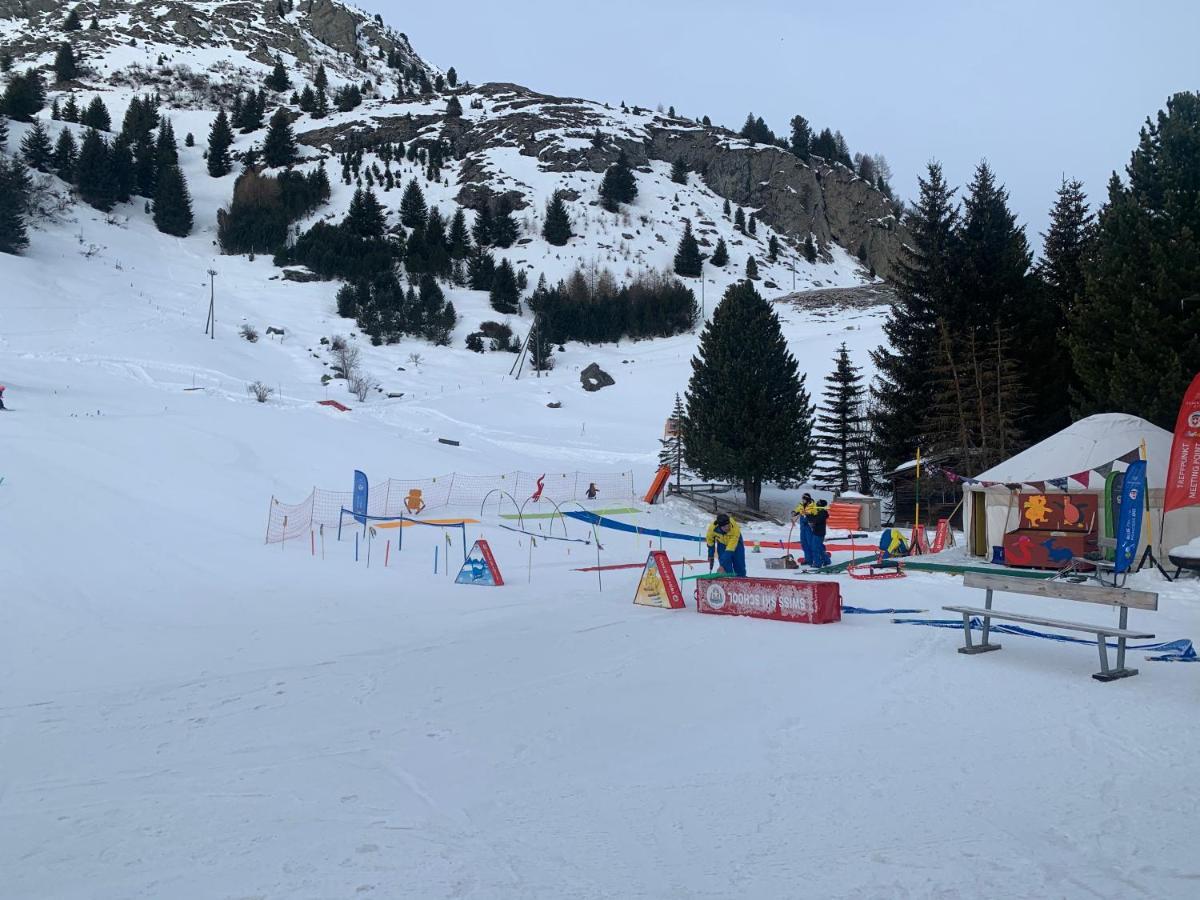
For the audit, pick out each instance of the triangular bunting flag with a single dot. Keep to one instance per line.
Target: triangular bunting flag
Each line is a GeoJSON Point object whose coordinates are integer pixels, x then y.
{"type": "Point", "coordinates": [1084, 478]}
{"type": "Point", "coordinates": [1059, 483]}
{"type": "Point", "coordinates": [1132, 456]}
{"type": "Point", "coordinates": [1104, 470]}
{"type": "Point", "coordinates": [480, 567]}
{"type": "Point", "coordinates": [1038, 486]}
{"type": "Point", "coordinates": [658, 586]}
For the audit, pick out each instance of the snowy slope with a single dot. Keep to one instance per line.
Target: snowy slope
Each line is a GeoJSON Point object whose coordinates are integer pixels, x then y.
{"type": "Point", "coordinates": [188, 712]}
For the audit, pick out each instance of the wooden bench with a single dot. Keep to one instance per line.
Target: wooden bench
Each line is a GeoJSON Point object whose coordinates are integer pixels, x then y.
{"type": "Point", "coordinates": [1121, 598]}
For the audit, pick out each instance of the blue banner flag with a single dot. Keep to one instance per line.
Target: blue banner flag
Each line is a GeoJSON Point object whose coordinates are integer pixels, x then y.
{"type": "Point", "coordinates": [1129, 524]}
{"type": "Point", "coordinates": [360, 496]}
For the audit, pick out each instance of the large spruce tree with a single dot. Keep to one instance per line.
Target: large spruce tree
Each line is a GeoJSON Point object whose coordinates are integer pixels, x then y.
{"type": "Point", "coordinates": [93, 175]}
{"type": "Point", "coordinates": [1065, 249]}
{"type": "Point", "coordinates": [672, 453]}
{"type": "Point", "coordinates": [66, 66]}
{"type": "Point", "coordinates": [66, 152]}
{"type": "Point", "coordinates": [14, 201]}
{"type": "Point", "coordinates": [36, 148]}
{"type": "Point", "coordinates": [24, 96]}
{"type": "Point", "coordinates": [556, 228]}
{"type": "Point", "coordinates": [749, 417]}
{"type": "Point", "coordinates": [839, 430]}
{"type": "Point", "coordinates": [619, 184]}
{"type": "Point", "coordinates": [1135, 337]}
{"type": "Point", "coordinates": [720, 257]}
{"type": "Point", "coordinates": [96, 116]}
{"type": "Point", "coordinates": [460, 237]}
{"type": "Point", "coordinates": [220, 138]}
{"type": "Point", "coordinates": [688, 261]}
{"type": "Point", "coordinates": [279, 146]}
{"type": "Point", "coordinates": [172, 202]}
{"type": "Point", "coordinates": [924, 288]}
{"type": "Point", "coordinates": [505, 295]}
{"type": "Point", "coordinates": [413, 211]}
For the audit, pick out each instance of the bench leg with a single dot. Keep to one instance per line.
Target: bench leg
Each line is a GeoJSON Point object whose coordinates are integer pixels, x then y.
{"type": "Point", "coordinates": [970, 647]}
{"type": "Point", "coordinates": [1106, 674]}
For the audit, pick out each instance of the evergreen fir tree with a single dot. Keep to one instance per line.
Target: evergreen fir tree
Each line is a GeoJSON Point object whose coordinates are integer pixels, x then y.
{"type": "Point", "coordinates": [751, 268]}
{"type": "Point", "coordinates": [172, 202]}
{"type": "Point", "coordinates": [752, 224]}
{"type": "Point", "coordinates": [220, 138]}
{"type": "Point", "coordinates": [278, 80]}
{"type": "Point", "coordinates": [619, 184]}
{"type": "Point", "coordinates": [96, 116]}
{"type": "Point", "coordinates": [452, 77]}
{"type": "Point", "coordinates": [679, 172]}
{"type": "Point", "coordinates": [481, 269]}
{"type": "Point", "coordinates": [24, 96]}
{"type": "Point", "coordinates": [810, 248]}
{"type": "Point", "coordinates": [72, 23]}
{"type": "Point", "coordinates": [773, 248]}
{"type": "Point", "coordinates": [839, 427]}
{"type": "Point", "coordinates": [1065, 251]}
{"type": "Point", "coordinates": [504, 295]}
{"type": "Point", "coordinates": [307, 100]}
{"type": "Point", "coordinates": [94, 25]}
{"type": "Point", "coordinates": [320, 105]}
{"type": "Point", "coordinates": [70, 110]}
{"type": "Point", "coordinates": [482, 229]}
{"type": "Point", "coordinates": [1133, 336]}
{"type": "Point", "coordinates": [321, 80]}
{"type": "Point", "coordinates": [453, 108]}
{"type": "Point", "coordinates": [413, 212]}
{"type": "Point", "coordinates": [121, 174]}
{"type": "Point", "coordinates": [725, 208]}
{"type": "Point", "coordinates": [801, 140]}
{"type": "Point", "coordinates": [145, 166]}
{"type": "Point", "coordinates": [460, 238]}
{"type": "Point", "coordinates": [66, 66]}
{"type": "Point", "coordinates": [141, 118]}
{"type": "Point", "coordinates": [672, 454]}
{"type": "Point", "coordinates": [924, 283]}
{"type": "Point", "coordinates": [36, 147]}
{"type": "Point", "coordinates": [504, 227]}
{"type": "Point", "coordinates": [15, 187]}
{"type": "Point", "coordinates": [437, 250]}
{"type": "Point", "coordinates": [3, 131]}
{"type": "Point", "coordinates": [688, 261]}
{"type": "Point", "coordinates": [65, 154]}
{"type": "Point", "coordinates": [92, 174]}
{"type": "Point", "coordinates": [366, 217]}
{"type": "Point", "coordinates": [557, 226]}
{"type": "Point", "coordinates": [720, 257]}
{"type": "Point", "coordinates": [748, 415]}
{"type": "Point", "coordinates": [739, 220]}
{"type": "Point", "coordinates": [279, 146]}
{"type": "Point", "coordinates": [166, 153]}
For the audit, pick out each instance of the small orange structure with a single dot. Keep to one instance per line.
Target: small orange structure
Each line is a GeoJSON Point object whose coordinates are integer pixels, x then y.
{"type": "Point", "coordinates": [414, 502]}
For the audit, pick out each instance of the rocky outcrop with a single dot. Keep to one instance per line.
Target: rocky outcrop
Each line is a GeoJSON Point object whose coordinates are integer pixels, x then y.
{"type": "Point", "coordinates": [13, 9]}
{"type": "Point", "coordinates": [593, 378]}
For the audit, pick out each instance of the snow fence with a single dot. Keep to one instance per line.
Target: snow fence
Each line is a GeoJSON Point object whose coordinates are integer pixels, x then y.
{"type": "Point", "coordinates": [393, 497]}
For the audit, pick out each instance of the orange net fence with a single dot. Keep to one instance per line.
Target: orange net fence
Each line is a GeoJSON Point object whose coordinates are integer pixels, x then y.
{"type": "Point", "coordinates": [410, 497]}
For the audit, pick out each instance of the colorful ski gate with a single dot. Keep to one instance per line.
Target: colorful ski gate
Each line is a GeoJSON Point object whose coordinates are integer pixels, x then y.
{"type": "Point", "coordinates": [480, 567]}
{"type": "Point", "coordinates": [1180, 650]}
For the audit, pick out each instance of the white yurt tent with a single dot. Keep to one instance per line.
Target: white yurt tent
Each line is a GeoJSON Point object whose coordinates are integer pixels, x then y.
{"type": "Point", "coordinates": [991, 510]}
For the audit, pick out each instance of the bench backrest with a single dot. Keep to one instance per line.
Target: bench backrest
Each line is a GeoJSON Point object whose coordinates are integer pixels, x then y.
{"type": "Point", "coordinates": [1086, 593]}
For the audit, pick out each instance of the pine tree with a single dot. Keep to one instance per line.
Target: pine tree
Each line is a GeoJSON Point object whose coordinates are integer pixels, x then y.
{"type": "Point", "coordinates": [725, 208]}
{"type": "Point", "coordinates": [720, 257]}
{"type": "Point", "coordinates": [748, 416]}
{"type": "Point", "coordinates": [92, 173]}
{"type": "Point", "coordinates": [413, 212]}
{"type": "Point", "coordinates": [3, 131]}
{"type": "Point", "coordinates": [220, 138]}
{"type": "Point", "coordinates": [460, 238]}
{"type": "Point", "coordinates": [94, 25]}
{"type": "Point", "coordinates": [810, 249]}
{"type": "Point", "coordinates": [141, 118]}
{"type": "Point", "coordinates": [619, 184]}
{"type": "Point", "coordinates": [504, 227]}
{"type": "Point", "coordinates": [15, 186]}
{"type": "Point", "coordinates": [751, 268]}
{"type": "Point", "coordinates": [481, 270]}
{"type": "Point", "coordinates": [366, 217]}
{"type": "Point", "coordinates": [453, 108]}
{"type": "Point", "coordinates": [688, 261]}
{"type": "Point", "coordinates": [166, 152]}
{"type": "Point", "coordinates": [739, 220]}
{"type": "Point", "coordinates": [279, 146]}
{"type": "Point", "coordinates": [36, 147]}
{"type": "Point", "coordinates": [72, 23]}
{"type": "Point", "coordinates": [773, 248]}
{"type": "Point", "coordinates": [924, 284]}
{"type": "Point", "coordinates": [24, 97]}
{"type": "Point", "coordinates": [321, 105]}
{"type": "Point", "coordinates": [839, 427]}
{"type": "Point", "coordinates": [121, 175]}
{"type": "Point", "coordinates": [65, 154]}
{"type": "Point", "coordinates": [1065, 250]}
{"type": "Point", "coordinates": [66, 67]}
{"type": "Point", "coordinates": [145, 166]}
{"type": "Point", "coordinates": [504, 295]}
{"type": "Point", "coordinates": [452, 77]}
{"type": "Point", "coordinates": [278, 80]}
{"type": "Point", "coordinates": [96, 116]}
{"type": "Point", "coordinates": [679, 171]}
{"type": "Point", "coordinates": [307, 100]}
{"type": "Point", "coordinates": [172, 203]}
{"type": "Point", "coordinates": [557, 226]}
{"type": "Point", "coordinates": [752, 225]}
{"type": "Point", "coordinates": [1133, 336]}
{"type": "Point", "coordinates": [70, 110]}
{"type": "Point", "coordinates": [801, 139]}
{"type": "Point", "coordinates": [321, 80]}
{"type": "Point", "coordinates": [672, 454]}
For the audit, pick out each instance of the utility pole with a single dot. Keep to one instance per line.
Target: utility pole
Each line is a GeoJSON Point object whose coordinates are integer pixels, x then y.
{"type": "Point", "coordinates": [210, 324]}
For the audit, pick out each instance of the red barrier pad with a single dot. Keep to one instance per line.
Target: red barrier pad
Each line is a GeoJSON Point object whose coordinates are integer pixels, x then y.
{"type": "Point", "coordinates": [785, 600]}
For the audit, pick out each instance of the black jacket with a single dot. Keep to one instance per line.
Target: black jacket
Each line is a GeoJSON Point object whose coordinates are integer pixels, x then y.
{"type": "Point", "coordinates": [816, 521]}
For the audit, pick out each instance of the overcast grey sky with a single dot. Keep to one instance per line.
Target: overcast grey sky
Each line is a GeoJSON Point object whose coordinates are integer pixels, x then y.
{"type": "Point", "coordinates": [1038, 88]}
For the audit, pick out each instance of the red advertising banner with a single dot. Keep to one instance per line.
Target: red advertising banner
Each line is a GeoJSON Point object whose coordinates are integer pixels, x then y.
{"type": "Point", "coordinates": [784, 600]}
{"type": "Point", "coordinates": [1183, 469]}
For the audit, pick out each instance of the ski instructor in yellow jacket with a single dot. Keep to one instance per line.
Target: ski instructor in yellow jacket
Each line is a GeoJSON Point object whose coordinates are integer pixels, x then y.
{"type": "Point", "coordinates": [724, 539]}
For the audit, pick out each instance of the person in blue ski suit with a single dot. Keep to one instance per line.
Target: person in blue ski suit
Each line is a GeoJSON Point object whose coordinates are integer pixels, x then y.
{"type": "Point", "coordinates": [817, 554]}
{"type": "Point", "coordinates": [800, 514]}
{"type": "Point", "coordinates": [724, 539]}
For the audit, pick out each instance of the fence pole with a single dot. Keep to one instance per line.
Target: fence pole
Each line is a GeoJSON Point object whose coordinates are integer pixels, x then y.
{"type": "Point", "coordinates": [283, 538]}
{"type": "Point", "coordinates": [356, 546]}
{"type": "Point", "coordinates": [387, 552]}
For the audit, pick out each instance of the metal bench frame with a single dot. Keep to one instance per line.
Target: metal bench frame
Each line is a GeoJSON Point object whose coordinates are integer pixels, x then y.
{"type": "Point", "coordinates": [1121, 598]}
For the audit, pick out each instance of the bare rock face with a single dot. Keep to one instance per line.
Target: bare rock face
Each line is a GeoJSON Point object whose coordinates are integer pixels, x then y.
{"type": "Point", "coordinates": [333, 25]}
{"type": "Point", "coordinates": [14, 9]}
{"type": "Point", "coordinates": [593, 378]}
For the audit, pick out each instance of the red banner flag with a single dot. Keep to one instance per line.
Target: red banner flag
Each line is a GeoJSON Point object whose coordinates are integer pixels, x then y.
{"type": "Point", "coordinates": [1183, 469]}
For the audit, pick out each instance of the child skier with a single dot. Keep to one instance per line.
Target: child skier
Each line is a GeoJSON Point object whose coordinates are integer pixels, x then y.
{"type": "Point", "coordinates": [818, 556]}
{"type": "Point", "coordinates": [724, 539]}
{"type": "Point", "coordinates": [2, 406]}
{"type": "Point", "coordinates": [800, 514]}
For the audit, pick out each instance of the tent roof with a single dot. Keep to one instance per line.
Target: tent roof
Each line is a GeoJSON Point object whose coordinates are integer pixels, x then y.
{"type": "Point", "coordinates": [1084, 445]}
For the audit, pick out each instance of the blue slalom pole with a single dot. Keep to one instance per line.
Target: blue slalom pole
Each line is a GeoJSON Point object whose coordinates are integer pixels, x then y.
{"type": "Point", "coordinates": [435, 558]}
{"type": "Point", "coordinates": [356, 546]}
